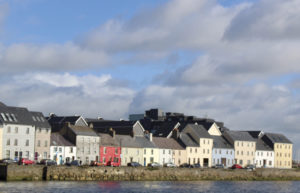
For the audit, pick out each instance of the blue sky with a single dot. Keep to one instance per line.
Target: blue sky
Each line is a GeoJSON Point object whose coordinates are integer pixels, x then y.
{"type": "Point", "coordinates": [236, 61]}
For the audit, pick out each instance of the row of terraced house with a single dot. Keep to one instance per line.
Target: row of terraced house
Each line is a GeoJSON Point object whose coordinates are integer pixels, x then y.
{"type": "Point", "coordinates": [145, 138]}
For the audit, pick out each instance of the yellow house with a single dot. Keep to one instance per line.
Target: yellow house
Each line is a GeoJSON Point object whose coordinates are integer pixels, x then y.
{"type": "Point", "coordinates": [244, 146]}
{"type": "Point", "coordinates": [283, 149]}
{"type": "Point", "coordinates": [198, 144]}
{"type": "Point", "coordinates": [150, 151]}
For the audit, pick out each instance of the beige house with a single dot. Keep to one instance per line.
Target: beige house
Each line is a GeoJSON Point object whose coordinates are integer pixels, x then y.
{"type": "Point", "coordinates": [283, 149]}
{"type": "Point", "coordinates": [42, 136]}
{"type": "Point", "coordinates": [150, 151]}
{"type": "Point", "coordinates": [198, 144]}
{"type": "Point", "coordinates": [244, 146]}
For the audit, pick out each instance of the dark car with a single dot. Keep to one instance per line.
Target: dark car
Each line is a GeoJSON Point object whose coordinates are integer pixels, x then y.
{"type": "Point", "coordinates": [73, 163]}
{"type": "Point", "coordinates": [196, 166]}
{"type": "Point", "coordinates": [250, 167]}
{"type": "Point", "coordinates": [185, 165]}
{"type": "Point", "coordinates": [134, 164]}
{"type": "Point", "coordinates": [236, 166]}
{"type": "Point", "coordinates": [8, 161]}
{"type": "Point", "coordinates": [48, 162]}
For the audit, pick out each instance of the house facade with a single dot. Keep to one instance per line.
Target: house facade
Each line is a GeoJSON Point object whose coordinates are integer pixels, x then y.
{"type": "Point", "coordinates": [283, 149]}
{"type": "Point", "coordinates": [17, 133]}
{"type": "Point", "coordinates": [150, 151]}
{"type": "Point", "coordinates": [42, 136]}
{"type": "Point", "coordinates": [61, 150]}
{"type": "Point", "coordinates": [244, 146]}
{"type": "Point", "coordinates": [110, 150]}
{"type": "Point", "coordinates": [223, 152]}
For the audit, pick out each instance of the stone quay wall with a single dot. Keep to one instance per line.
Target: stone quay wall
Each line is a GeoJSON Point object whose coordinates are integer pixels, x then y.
{"type": "Point", "coordinates": [83, 173]}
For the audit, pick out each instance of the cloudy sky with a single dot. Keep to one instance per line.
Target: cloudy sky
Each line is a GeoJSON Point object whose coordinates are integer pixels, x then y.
{"type": "Point", "coordinates": [236, 61]}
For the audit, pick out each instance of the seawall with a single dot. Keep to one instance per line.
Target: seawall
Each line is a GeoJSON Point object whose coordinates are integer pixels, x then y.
{"type": "Point", "coordinates": [64, 173]}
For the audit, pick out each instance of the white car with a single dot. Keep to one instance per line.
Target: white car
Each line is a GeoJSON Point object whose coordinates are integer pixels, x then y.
{"type": "Point", "coordinates": [169, 165]}
{"type": "Point", "coordinates": [154, 164]}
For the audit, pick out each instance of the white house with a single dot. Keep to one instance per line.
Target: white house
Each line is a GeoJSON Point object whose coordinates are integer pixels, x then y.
{"type": "Point", "coordinates": [61, 150]}
{"type": "Point", "coordinates": [264, 155]}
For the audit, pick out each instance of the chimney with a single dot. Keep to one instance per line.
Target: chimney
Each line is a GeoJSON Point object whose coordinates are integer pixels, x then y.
{"type": "Point", "coordinates": [175, 134]}
{"type": "Point", "coordinates": [112, 132]}
{"type": "Point", "coordinates": [99, 118]}
{"type": "Point", "coordinates": [150, 137]}
{"type": "Point", "coordinates": [67, 124]}
{"type": "Point", "coordinates": [132, 134]}
{"type": "Point", "coordinates": [91, 125]}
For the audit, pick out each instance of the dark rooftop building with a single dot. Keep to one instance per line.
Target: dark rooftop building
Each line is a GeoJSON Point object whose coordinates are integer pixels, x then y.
{"type": "Point", "coordinates": [58, 140]}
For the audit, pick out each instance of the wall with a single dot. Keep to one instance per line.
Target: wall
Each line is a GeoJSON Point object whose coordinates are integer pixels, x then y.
{"type": "Point", "coordinates": [110, 154]}
{"type": "Point", "coordinates": [87, 148]}
{"type": "Point", "coordinates": [179, 157]}
{"type": "Point", "coordinates": [244, 152]}
{"type": "Point", "coordinates": [42, 135]}
{"type": "Point", "coordinates": [165, 156]}
{"type": "Point", "coordinates": [132, 154]}
{"type": "Point", "coordinates": [219, 153]}
{"type": "Point", "coordinates": [193, 155]}
{"type": "Point", "coordinates": [283, 155]}
{"type": "Point", "coordinates": [1, 142]}
{"type": "Point", "coordinates": [62, 156]}
{"type": "Point", "coordinates": [267, 156]}
{"type": "Point", "coordinates": [214, 130]}
{"type": "Point", "coordinates": [21, 137]}
{"type": "Point", "coordinates": [150, 153]}
{"type": "Point", "coordinates": [206, 150]}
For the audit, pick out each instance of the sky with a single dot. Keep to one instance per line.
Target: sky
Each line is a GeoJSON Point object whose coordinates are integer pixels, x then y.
{"type": "Point", "coordinates": [235, 61]}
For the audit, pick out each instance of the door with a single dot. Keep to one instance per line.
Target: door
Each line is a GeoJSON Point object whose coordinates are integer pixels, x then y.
{"type": "Point", "coordinates": [205, 162]}
{"type": "Point", "coordinates": [144, 161]}
{"type": "Point", "coordinates": [265, 163]}
{"type": "Point", "coordinates": [223, 161]}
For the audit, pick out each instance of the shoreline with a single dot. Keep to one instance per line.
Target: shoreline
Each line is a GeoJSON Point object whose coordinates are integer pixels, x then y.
{"type": "Point", "coordinates": [86, 173]}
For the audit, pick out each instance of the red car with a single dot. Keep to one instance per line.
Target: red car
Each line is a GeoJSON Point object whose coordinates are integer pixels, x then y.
{"type": "Point", "coordinates": [26, 161]}
{"type": "Point", "coordinates": [236, 166]}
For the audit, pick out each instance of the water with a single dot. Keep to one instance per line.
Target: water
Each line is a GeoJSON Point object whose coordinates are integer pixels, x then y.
{"type": "Point", "coordinates": [151, 187]}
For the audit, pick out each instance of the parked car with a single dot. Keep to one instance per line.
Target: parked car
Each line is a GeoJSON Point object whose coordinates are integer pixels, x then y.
{"type": "Point", "coordinates": [8, 161]}
{"type": "Point", "coordinates": [196, 166]}
{"type": "Point", "coordinates": [73, 163]}
{"type": "Point", "coordinates": [218, 166]}
{"type": "Point", "coordinates": [26, 161]}
{"type": "Point", "coordinates": [95, 163]}
{"type": "Point", "coordinates": [250, 167]}
{"type": "Point", "coordinates": [134, 164]}
{"type": "Point", "coordinates": [48, 162]}
{"type": "Point", "coordinates": [169, 165]}
{"type": "Point", "coordinates": [185, 165]}
{"type": "Point", "coordinates": [154, 164]}
{"type": "Point", "coordinates": [236, 166]}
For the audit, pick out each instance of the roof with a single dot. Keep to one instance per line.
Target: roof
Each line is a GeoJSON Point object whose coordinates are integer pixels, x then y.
{"type": "Point", "coordinates": [199, 130]}
{"type": "Point", "coordinates": [166, 143]}
{"type": "Point", "coordinates": [58, 140]}
{"type": "Point", "coordinates": [262, 146]}
{"type": "Point", "coordinates": [15, 115]}
{"type": "Point", "coordinates": [187, 140]}
{"type": "Point", "coordinates": [81, 130]}
{"type": "Point", "coordinates": [159, 128]}
{"type": "Point", "coordinates": [127, 141]}
{"type": "Point", "coordinates": [63, 119]}
{"type": "Point", "coordinates": [39, 120]}
{"type": "Point", "coordinates": [144, 142]}
{"type": "Point", "coordinates": [240, 136]}
{"type": "Point", "coordinates": [277, 138]}
{"type": "Point", "coordinates": [221, 142]}
{"type": "Point", "coordinates": [108, 140]}
{"type": "Point", "coordinates": [121, 127]}
{"type": "Point", "coordinates": [206, 125]}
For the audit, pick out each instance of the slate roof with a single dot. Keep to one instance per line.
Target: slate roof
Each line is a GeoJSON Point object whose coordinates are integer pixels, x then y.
{"type": "Point", "coordinates": [15, 115]}
{"type": "Point", "coordinates": [57, 122]}
{"type": "Point", "coordinates": [121, 127]}
{"type": "Point", "coordinates": [221, 142]}
{"type": "Point", "coordinates": [81, 130]}
{"type": "Point", "coordinates": [159, 128]}
{"type": "Point", "coordinates": [199, 130]}
{"type": "Point", "coordinates": [187, 140]}
{"type": "Point", "coordinates": [144, 142]}
{"type": "Point", "coordinates": [166, 143]}
{"type": "Point", "coordinates": [39, 120]}
{"type": "Point", "coordinates": [58, 140]}
{"type": "Point", "coordinates": [127, 141]}
{"type": "Point", "coordinates": [108, 140]}
{"type": "Point", "coordinates": [277, 138]}
{"type": "Point", "coordinates": [254, 134]}
{"type": "Point", "coordinates": [206, 125]}
{"type": "Point", "coordinates": [240, 136]}
{"type": "Point", "coordinates": [262, 146]}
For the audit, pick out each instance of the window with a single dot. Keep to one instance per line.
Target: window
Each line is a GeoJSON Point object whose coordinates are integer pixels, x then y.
{"type": "Point", "coordinates": [241, 162]}
{"type": "Point", "coordinates": [27, 142]}
{"type": "Point", "coordinates": [248, 162]}
{"type": "Point", "coordinates": [8, 129]}
{"type": "Point", "coordinates": [3, 117]}
{"type": "Point", "coordinates": [116, 150]}
{"type": "Point", "coordinates": [270, 163]}
{"type": "Point", "coordinates": [7, 154]}
{"type": "Point", "coordinates": [8, 142]}
{"type": "Point", "coordinates": [216, 151]}
{"type": "Point", "coordinates": [27, 154]}
{"type": "Point", "coordinates": [16, 142]}
{"type": "Point", "coordinates": [46, 143]}
{"type": "Point", "coordinates": [179, 152]}
{"type": "Point", "coordinates": [203, 151]}
{"type": "Point", "coordinates": [45, 155]}
{"type": "Point", "coordinates": [104, 150]}
{"type": "Point", "coordinates": [238, 143]}
{"type": "Point", "coordinates": [71, 149]}
{"type": "Point", "coordinates": [195, 150]}
{"type": "Point", "coordinates": [214, 161]}
{"type": "Point", "coordinates": [248, 144]}
{"type": "Point", "coordinates": [151, 159]}
{"type": "Point", "coordinates": [151, 151]}
{"type": "Point", "coordinates": [164, 152]}
{"type": "Point", "coordinates": [137, 152]}
{"type": "Point", "coordinates": [237, 152]}
{"type": "Point", "coordinates": [242, 153]}
{"type": "Point", "coordinates": [204, 141]}
{"type": "Point", "coordinates": [33, 118]}
{"type": "Point", "coordinates": [144, 151]}
{"type": "Point", "coordinates": [60, 149]}
{"type": "Point", "coordinates": [16, 130]}
{"type": "Point", "coordinates": [227, 152]}
{"type": "Point", "coordinates": [55, 149]}
{"type": "Point", "coordinates": [169, 152]}
{"type": "Point", "coordinates": [16, 154]}
{"type": "Point", "coordinates": [9, 118]}
{"type": "Point", "coordinates": [39, 144]}
{"type": "Point", "coordinates": [242, 144]}
{"type": "Point", "coordinates": [220, 152]}
{"type": "Point", "coordinates": [104, 160]}
{"type": "Point", "coordinates": [38, 119]}
{"type": "Point", "coordinates": [191, 150]}
{"type": "Point", "coordinates": [208, 151]}
{"type": "Point", "coordinates": [248, 153]}
{"type": "Point", "coordinates": [27, 130]}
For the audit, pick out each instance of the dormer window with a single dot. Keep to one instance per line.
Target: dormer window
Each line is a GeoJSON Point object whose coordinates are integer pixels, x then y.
{"type": "Point", "coordinates": [3, 117]}
{"type": "Point", "coordinates": [14, 117]}
{"type": "Point", "coordinates": [33, 118]}
{"type": "Point", "coordinates": [38, 119]}
{"type": "Point", "coordinates": [8, 117]}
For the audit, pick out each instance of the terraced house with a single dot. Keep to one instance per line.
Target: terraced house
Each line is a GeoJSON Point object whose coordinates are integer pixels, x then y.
{"type": "Point", "coordinates": [244, 146]}
{"type": "Point", "coordinates": [283, 149]}
{"type": "Point", "coordinates": [17, 133]}
{"type": "Point", "coordinates": [223, 152]}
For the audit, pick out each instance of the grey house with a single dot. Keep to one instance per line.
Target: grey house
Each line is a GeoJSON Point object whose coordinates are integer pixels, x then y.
{"type": "Point", "coordinates": [86, 140]}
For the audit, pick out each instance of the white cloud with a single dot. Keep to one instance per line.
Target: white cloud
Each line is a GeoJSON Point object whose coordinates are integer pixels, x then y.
{"type": "Point", "coordinates": [68, 94]}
